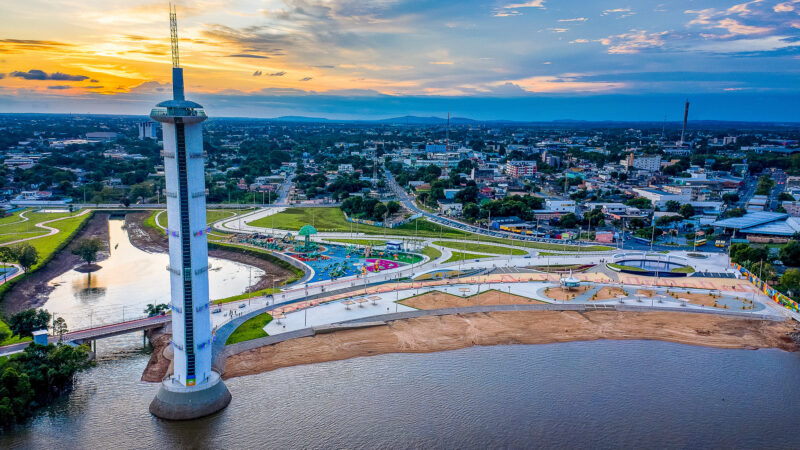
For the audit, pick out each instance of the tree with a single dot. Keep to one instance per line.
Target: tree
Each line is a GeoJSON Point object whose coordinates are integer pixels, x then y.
{"type": "Point", "coordinates": [27, 256]}
{"type": "Point", "coordinates": [686, 210]}
{"type": "Point", "coordinates": [568, 220]}
{"type": "Point", "coordinates": [734, 212]}
{"type": "Point", "coordinates": [156, 310]}
{"type": "Point", "coordinates": [640, 202]}
{"type": "Point", "coordinates": [790, 281]}
{"type": "Point", "coordinates": [730, 198]}
{"type": "Point", "coordinates": [125, 201]}
{"type": "Point", "coordinates": [790, 254]}
{"type": "Point", "coordinates": [87, 249]}
{"type": "Point", "coordinates": [673, 205]}
{"type": "Point", "coordinates": [25, 322]}
{"type": "Point", "coordinates": [471, 211]}
{"type": "Point", "coordinates": [60, 328]}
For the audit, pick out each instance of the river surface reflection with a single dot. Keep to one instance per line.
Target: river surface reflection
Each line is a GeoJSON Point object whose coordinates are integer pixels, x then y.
{"type": "Point", "coordinates": [599, 394]}
{"type": "Point", "coordinates": [130, 279]}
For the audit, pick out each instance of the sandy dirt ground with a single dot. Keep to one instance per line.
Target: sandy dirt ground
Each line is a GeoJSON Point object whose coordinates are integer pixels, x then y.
{"type": "Point", "coordinates": [723, 284]}
{"type": "Point", "coordinates": [608, 293]}
{"type": "Point", "coordinates": [698, 299]}
{"type": "Point", "coordinates": [438, 300]}
{"type": "Point", "coordinates": [646, 293]}
{"type": "Point", "coordinates": [150, 240]}
{"type": "Point", "coordinates": [561, 294]}
{"type": "Point", "coordinates": [32, 290]}
{"type": "Point", "coordinates": [431, 334]}
{"type": "Point", "coordinates": [160, 362]}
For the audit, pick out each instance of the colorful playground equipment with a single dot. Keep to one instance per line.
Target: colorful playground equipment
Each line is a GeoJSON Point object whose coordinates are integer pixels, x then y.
{"type": "Point", "coordinates": [308, 245]}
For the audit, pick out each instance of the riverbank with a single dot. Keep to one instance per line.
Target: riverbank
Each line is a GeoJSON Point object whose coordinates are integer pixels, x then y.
{"type": "Point", "coordinates": [155, 241]}
{"type": "Point", "coordinates": [32, 290]}
{"type": "Point", "coordinates": [439, 333]}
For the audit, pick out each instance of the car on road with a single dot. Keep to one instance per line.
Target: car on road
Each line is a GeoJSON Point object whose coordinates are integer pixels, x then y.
{"type": "Point", "coordinates": [242, 305]}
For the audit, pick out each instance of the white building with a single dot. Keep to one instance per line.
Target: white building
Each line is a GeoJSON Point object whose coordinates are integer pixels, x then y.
{"type": "Point", "coordinates": [660, 198]}
{"type": "Point", "coordinates": [148, 130]}
{"type": "Point", "coordinates": [647, 163]}
{"type": "Point", "coordinates": [450, 208]}
{"type": "Point", "coordinates": [521, 169]}
{"type": "Point", "coordinates": [345, 168]}
{"type": "Point", "coordinates": [561, 206]}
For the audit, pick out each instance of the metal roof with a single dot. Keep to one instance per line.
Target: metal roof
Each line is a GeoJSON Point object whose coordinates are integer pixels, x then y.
{"type": "Point", "coordinates": [786, 227]}
{"type": "Point", "coordinates": [752, 219]}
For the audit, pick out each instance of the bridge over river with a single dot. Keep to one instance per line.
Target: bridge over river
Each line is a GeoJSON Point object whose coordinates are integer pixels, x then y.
{"type": "Point", "coordinates": [100, 332]}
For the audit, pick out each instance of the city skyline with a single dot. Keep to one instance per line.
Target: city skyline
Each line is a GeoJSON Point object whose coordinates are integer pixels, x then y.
{"type": "Point", "coordinates": [515, 60]}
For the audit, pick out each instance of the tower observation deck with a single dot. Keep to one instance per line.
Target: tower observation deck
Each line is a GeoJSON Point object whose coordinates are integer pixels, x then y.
{"type": "Point", "coordinates": [193, 390]}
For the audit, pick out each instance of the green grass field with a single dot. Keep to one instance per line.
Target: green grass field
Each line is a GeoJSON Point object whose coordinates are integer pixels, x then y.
{"type": "Point", "coordinates": [624, 267]}
{"type": "Point", "coordinates": [245, 296]}
{"type": "Point", "coordinates": [47, 245]}
{"type": "Point", "coordinates": [250, 329]}
{"type": "Point", "coordinates": [12, 228]}
{"type": "Point", "coordinates": [431, 253]}
{"type": "Point", "coordinates": [332, 220]}
{"type": "Point", "coordinates": [458, 256]}
{"type": "Point", "coordinates": [212, 215]}
{"type": "Point", "coordinates": [687, 269]}
{"type": "Point", "coordinates": [481, 248]}
{"type": "Point", "coordinates": [4, 329]}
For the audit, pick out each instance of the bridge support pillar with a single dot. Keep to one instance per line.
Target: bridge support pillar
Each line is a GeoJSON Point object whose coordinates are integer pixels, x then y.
{"type": "Point", "coordinates": [177, 402]}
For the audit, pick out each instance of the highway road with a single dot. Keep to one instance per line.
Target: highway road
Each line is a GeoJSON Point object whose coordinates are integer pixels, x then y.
{"type": "Point", "coordinates": [408, 202]}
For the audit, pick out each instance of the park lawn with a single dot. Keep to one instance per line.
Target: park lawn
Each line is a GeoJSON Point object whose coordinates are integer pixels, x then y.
{"type": "Point", "coordinates": [212, 215]}
{"type": "Point", "coordinates": [150, 221]}
{"type": "Point", "coordinates": [11, 339]}
{"type": "Point", "coordinates": [332, 219]}
{"type": "Point", "coordinates": [13, 217]}
{"type": "Point", "coordinates": [47, 245]}
{"type": "Point", "coordinates": [15, 229]}
{"type": "Point", "coordinates": [482, 248]}
{"type": "Point", "coordinates": [687, 269]}
{"type": "Point", "coordinates": [458, 256]}
{"type": "Point", "coordinates": [624, 267]}
{"type": "Point", "coordinates": [245, 296]}
{"type": "Point", "coordinates": [251, 329]}
{"type": "Point", "coordinates": [432, 253]}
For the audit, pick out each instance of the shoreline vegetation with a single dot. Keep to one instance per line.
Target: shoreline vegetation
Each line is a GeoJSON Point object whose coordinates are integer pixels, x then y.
{"type": "Point", "coordinates": [451, 332]}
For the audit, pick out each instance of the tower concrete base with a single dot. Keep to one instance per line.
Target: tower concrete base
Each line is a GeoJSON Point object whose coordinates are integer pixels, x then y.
{"type": "Point", "coordinates": [177, 402]}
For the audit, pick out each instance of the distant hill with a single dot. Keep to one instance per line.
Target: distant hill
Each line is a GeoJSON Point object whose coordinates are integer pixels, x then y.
{"type": "Point", "coordinates": [300, 119]}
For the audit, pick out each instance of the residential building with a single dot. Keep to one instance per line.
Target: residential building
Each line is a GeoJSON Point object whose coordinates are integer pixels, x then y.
{"type": "Point", "coordinates": [521, 169]}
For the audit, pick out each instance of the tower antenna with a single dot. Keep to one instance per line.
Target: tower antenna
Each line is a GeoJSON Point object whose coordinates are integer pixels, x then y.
{"type": "Point", "coordinates": [685, 118]}
{"type": "Point", "coordinates": [173, 35]}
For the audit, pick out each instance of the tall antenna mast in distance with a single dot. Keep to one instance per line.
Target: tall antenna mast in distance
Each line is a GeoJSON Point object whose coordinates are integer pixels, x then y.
{"type": "Point", "coordinates": [173, 35]}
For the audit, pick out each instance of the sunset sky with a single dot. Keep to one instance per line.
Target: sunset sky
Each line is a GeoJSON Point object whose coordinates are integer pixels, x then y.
{"type": "Point", "coordinates": [511, 59]}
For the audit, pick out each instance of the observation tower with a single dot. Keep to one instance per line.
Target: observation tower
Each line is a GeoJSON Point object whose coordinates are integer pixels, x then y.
{"type": "Point", "coordinates": [194, 390]}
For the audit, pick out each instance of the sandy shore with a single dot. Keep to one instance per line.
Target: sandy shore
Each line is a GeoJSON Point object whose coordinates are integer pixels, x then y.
{"type": "Point", "coordinates": [437, 300]}
{"type": "Point", "coordinates": [432, 334]}
{"type": "Point", "coordinates": [32, 290]}
{"type": "Point", "coordinates": [150, 240]}
{"type": "Point", "coordinates": [161, 359]}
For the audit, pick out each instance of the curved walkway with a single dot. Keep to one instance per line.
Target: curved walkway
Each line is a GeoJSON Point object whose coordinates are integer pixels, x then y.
{"type": "Point", "coordinates": [43, 225]}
